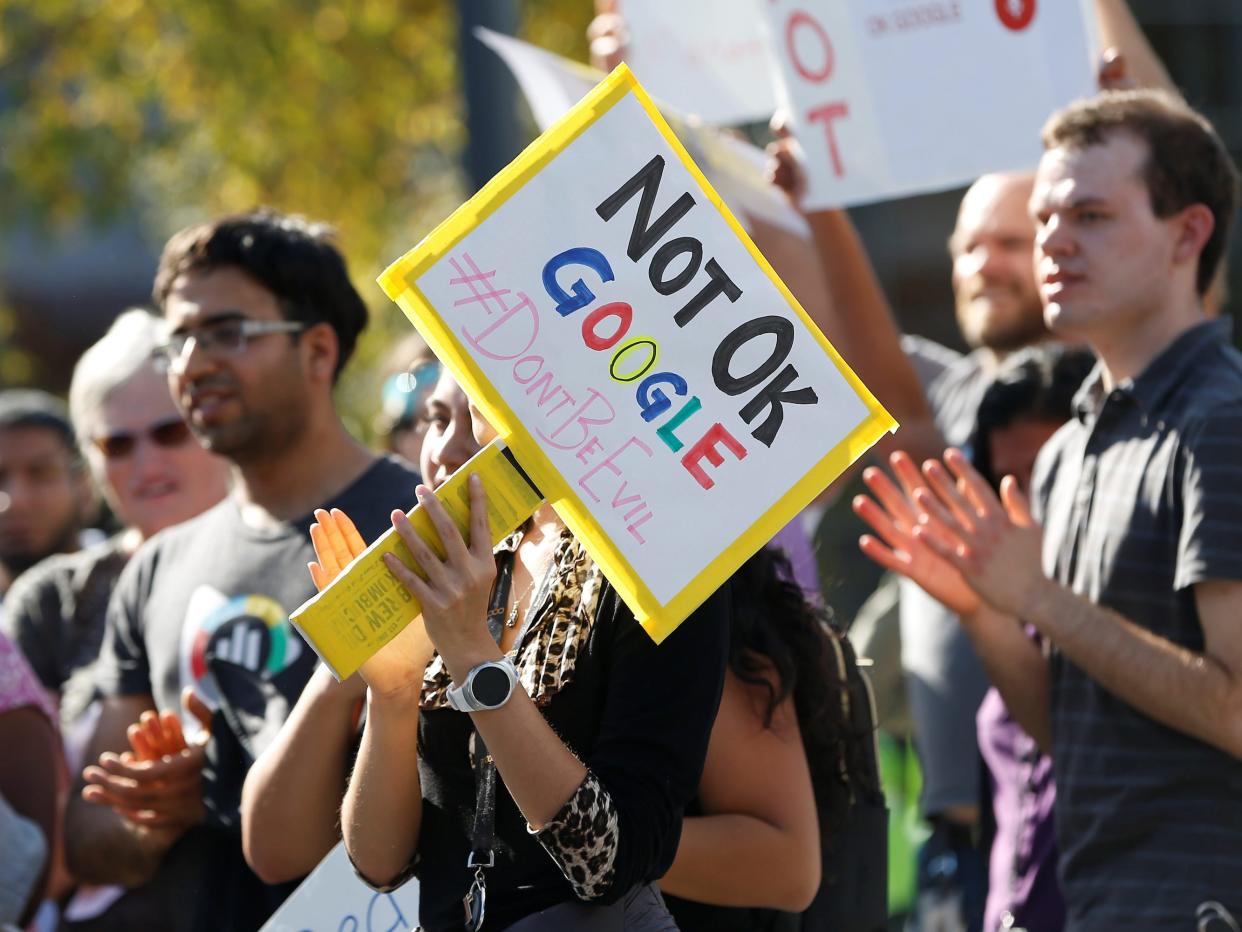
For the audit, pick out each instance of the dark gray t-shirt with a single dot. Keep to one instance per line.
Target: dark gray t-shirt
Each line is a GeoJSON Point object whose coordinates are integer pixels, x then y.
{"type": "Point", "coordinates": [216, 589]}
{"type": "Point", "coordinates": [1138, 494]}
{"type": "Point", "coordinates": [55, 613]}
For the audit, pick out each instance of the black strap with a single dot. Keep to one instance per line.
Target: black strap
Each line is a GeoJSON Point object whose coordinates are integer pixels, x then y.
{"type": "Point", "coordinates": [483, 832]}
{"type": "Point", "coordinates": [499, 600]}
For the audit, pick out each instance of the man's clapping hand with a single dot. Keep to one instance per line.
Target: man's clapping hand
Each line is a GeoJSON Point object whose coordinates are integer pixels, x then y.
{"type": "Point", "coordinates": [158, 782]}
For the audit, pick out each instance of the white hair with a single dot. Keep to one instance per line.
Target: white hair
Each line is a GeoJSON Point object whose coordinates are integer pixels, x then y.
{"type": "Point", "coordinates": [120, 354]}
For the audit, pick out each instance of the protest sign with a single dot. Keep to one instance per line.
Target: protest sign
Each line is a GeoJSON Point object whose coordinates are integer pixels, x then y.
{"type": "Point", "coordinates": [648, 369]}
{"type": "Point", "coordinates": [897, 97]}
{"type": "Point", "coordinates": [735, 167]}
{"type": "Point", "coordinates": [365, 606]}
{"type": "Point", "coordinates": [333, 899]}
{"type": "Point", "coordinates": [704, 57]}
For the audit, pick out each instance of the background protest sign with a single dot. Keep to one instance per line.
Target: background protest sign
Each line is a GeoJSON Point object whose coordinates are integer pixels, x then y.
{"type": "Point", "coordinates": [333, 899]}
{"type": "Point", "coordinates": [897, 97]}
{"type": "Point", "coordinates": [704, 57]}
{"type": "Point", "coordinates": [651, 373]}
{"type": "Point", "coordinates": [735, 167]}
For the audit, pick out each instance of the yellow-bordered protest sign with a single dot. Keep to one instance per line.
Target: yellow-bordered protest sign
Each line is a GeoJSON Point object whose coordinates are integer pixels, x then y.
{"type": "Point", "coordinates": [677, 410]}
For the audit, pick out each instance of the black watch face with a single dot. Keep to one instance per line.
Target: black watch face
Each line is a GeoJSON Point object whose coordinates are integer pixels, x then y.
{"type": "Point", "coordinates": [490, 686]}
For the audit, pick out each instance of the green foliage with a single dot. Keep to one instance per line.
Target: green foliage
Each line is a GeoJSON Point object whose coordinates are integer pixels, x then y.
{"type": "Point", "coordinates": [178, 110]}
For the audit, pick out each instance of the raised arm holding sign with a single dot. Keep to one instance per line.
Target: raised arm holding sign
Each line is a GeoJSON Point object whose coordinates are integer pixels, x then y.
{"type": "Point", "coordinates": [646, 367]}
{"type": "Point", "coordinates": [659, 386]}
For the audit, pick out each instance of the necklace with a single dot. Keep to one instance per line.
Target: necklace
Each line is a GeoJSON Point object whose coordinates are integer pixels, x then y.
{"type": "Point", "coordinates": [511, 620]}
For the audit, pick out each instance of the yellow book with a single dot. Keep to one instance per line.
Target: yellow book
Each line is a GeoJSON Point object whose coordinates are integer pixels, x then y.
{"type": "Point", "coordinates": [365, 607]}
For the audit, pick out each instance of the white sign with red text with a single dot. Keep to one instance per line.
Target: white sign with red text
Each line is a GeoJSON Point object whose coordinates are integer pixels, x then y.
{"type": "Point", "coordinates": [896, 97]}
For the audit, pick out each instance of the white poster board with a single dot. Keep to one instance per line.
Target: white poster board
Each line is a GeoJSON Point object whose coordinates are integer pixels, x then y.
{"type": "Point", "coordinates": [333, 899]}
{"type": "Point", "coordinates": [708, 58]}
{"type": "Point", "coordinates": [648, 369]}
{"type": "Point", "coordinates": [552, 85]}
{"type": "Point", "coordinates": [896, 97]}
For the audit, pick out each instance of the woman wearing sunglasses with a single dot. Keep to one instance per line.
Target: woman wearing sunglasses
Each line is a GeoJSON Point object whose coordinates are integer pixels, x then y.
{"type": "Point", "coordinates": [401, 424]}
{"type": "Point", "coordinates": [153, 474]}
{"type": "Point", "coordinates": [528, 751]}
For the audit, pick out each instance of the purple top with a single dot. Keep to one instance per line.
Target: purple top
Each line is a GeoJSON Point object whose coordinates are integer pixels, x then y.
{"type": "Point", "coordinates": [1022, 890]}
{"type": "Point", "coordinates": [794, 540]}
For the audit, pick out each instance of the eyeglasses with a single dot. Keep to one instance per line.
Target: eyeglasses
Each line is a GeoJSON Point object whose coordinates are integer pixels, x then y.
{"type": "Point", "coordinates": [223, 336]}
{"type": "Point", "coordinates": [166, 434]}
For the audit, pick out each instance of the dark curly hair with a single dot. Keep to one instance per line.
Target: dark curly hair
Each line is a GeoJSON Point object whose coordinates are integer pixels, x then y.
{"type": "Point", "coordinates": [293, 258]}
{"type": "Point", "coordinates": [1037, 383]}
{"type": "Point", "coordinates": [776, 629]}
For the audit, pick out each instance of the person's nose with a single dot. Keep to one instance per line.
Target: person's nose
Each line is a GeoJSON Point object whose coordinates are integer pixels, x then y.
{"type": "Point", "coordinates": [991, 262]}
{"type": "Point", "coordinates": [148, 461]}
{"type": "Point", "coordinates": [193, 360]}
{"type": "Point", "coordinates": [459, 446]}
{"type": "Point", "coordinates": [1054, 238]}
{"type": "Point", "coordinates": [193, 363]}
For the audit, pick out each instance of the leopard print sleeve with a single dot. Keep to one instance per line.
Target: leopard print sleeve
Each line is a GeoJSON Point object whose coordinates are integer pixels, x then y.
{"type": "Point", "coordinates": [583, 838]}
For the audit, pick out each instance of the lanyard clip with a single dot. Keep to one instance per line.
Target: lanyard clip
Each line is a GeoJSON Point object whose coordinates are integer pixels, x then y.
{"type": "Point", "coordinates": [475, 859]}
{"type": "Point", "coordinates": [475, 901]}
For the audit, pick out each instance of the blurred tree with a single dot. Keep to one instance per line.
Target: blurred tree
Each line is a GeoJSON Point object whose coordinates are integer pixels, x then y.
{"type": "Point", "coordinates": [175, 111]}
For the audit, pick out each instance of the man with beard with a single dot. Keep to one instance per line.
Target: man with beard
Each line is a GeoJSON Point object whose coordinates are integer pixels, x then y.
{"type": "Point", "coordinates": [261, 319]}
{"type": "Point", "coordinates": [44, 490]}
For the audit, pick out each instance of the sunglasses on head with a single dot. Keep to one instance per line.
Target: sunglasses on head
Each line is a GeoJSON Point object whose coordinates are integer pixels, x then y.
{"type": "Point", "coordinates": [165, 434]}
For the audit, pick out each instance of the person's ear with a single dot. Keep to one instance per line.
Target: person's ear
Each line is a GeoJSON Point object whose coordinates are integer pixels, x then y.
{"type": "Point", "coordinates": [322, 349]}
{"type": "Point", "coordinates": [1194, 226]}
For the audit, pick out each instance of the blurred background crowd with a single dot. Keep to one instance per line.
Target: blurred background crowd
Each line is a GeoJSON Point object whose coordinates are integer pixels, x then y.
{"type": "Point", "coordinates": [126, 122]}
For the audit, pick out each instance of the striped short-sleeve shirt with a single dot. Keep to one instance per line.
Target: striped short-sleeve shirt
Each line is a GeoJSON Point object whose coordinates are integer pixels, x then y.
{"type": "Point", "coordinates": [1141, 498]}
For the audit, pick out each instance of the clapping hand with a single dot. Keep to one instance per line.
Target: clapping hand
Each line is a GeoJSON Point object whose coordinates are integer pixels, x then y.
{"type": "Point", "coordinates": [158, 782]}
{"type": "Point", "coordinates": [893, 514]}
{"type": "Point", "coordinates": [993, 543]}
{"type": "Point", "coordinates": [397, 667]}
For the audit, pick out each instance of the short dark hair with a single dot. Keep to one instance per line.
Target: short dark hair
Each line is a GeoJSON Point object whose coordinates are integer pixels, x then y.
{"type": "Point", "coordinates": [29, 407]}
{"type": "Point", "coordinates": [1186, 161]}
{"type": "Point", "coordinates": [1037, 383]}
{"type": "Point", "coordinates": [293, 258]}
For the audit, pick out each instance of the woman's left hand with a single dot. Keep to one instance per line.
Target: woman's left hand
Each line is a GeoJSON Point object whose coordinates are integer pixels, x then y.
{"type": "Point", "coordinates": [456, 590]}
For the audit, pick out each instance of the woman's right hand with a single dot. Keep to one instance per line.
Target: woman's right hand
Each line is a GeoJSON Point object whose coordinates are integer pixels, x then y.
{"type": "Point", "coordinates": [396, 669]}
{"type": "Point", "coordinates": [453, 590]}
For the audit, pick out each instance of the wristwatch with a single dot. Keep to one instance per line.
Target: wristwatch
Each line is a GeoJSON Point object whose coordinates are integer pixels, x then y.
{"type": "Point", "coordinates": [488, 686]}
